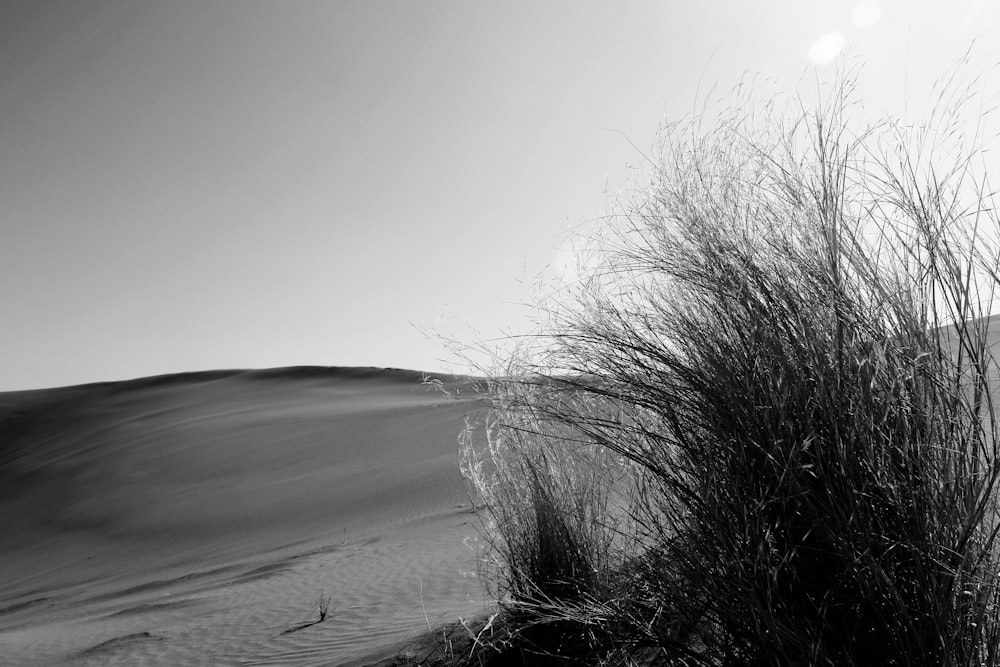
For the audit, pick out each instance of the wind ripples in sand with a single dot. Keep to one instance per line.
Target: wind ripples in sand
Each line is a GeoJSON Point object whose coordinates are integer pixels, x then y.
{"type": "Point", "coordinates": [266, 490]}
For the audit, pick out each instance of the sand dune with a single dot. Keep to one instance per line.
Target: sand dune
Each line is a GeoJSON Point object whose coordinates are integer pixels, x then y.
{"type": "Point", "coordinates": [191, 519]}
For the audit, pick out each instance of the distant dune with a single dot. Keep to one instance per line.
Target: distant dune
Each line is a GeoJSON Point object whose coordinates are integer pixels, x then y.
{"type": "Point", "coordinates": [193, 518]}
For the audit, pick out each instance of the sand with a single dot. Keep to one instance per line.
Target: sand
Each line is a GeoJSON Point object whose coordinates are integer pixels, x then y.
{"type": "Point", "coordinates": [194, 519]}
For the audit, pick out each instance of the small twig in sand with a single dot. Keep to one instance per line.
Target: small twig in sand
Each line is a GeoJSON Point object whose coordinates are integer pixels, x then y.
{"type": "Point", "coordinates": [323, 605]}
{"type": "Point", "coordinates": [426, 620]}
{"type": "Point", "coordinates": [322, 609]}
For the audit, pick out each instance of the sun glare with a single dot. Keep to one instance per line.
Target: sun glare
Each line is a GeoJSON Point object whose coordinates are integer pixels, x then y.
{"type": "Point", "coordinates": [826, 48]}
{"type": "Point", "coordinates": [568, 263]}
{"type": "Point", "coordinates": [866, 13]}
{"type": "Point", "coordinates": [577, 258]}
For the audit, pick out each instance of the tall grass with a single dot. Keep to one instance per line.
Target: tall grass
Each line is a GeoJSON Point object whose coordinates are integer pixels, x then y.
{"type": "Point", "coordinates": [550, 504]}
{"type": "Point", "coordinates": [763, 433]}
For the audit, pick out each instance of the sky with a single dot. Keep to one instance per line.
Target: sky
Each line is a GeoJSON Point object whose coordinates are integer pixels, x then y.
{"type": "Point", "coordinates": [248, 184]}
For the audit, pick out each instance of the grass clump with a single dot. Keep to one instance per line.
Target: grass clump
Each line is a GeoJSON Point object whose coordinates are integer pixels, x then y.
{"type": "Point", "coordinates": [555, 524]}
{"type": "Point", "coordinates": [763, 431]}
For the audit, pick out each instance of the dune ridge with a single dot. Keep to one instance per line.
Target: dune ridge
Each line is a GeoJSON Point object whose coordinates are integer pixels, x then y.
{"type": "Point", "coordinates": [191, 518]}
